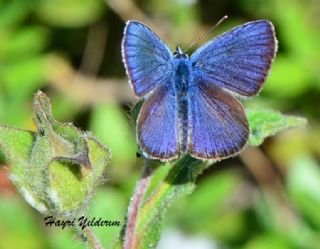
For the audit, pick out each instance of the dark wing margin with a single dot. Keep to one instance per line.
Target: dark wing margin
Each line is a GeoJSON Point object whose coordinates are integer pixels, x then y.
{"type": "Point", "coordinates": [238, 60]}
{"type": "Point", "coordinates": [148, 61]}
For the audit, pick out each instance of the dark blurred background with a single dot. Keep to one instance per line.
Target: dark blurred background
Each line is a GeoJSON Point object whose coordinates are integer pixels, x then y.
{"type": "Point", "coordinates": [267, 198]}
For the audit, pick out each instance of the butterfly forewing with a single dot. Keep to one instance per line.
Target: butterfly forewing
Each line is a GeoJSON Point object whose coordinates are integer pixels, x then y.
{"type": "Point", "coordinates": [147, 59]}
{"type": "Point", "coordinates": [219, 127]}
{"type": "Point", "coordinates": [238, 60]}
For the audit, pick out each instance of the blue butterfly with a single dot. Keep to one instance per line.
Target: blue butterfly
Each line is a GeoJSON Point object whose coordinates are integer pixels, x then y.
{"type": "Point", "coordinates": [189, 105]}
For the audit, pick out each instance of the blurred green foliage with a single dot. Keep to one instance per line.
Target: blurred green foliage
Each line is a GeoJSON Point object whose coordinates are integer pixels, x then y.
{"type": "Point", "coordinates": [269, 198]}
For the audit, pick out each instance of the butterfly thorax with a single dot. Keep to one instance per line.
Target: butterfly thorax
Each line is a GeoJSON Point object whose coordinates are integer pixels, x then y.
{"type": "Point", "coordinates": [182, 81]}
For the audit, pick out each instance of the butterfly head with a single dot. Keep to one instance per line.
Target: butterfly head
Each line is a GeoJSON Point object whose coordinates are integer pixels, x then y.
{"type": "Point", "coordinates": [179, 53]}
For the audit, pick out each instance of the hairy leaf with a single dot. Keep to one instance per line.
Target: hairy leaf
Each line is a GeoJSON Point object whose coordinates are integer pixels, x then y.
{"type": "Point", "coordinates": [265, 123]}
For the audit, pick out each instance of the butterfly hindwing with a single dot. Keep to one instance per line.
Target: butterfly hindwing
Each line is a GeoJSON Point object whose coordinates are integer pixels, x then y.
{"type": "Point", "coordinates": [156, 128]}
{"type": "Point", "coordinates": [238, 60]}
{"type": "Point", "coordinates": [147, 59]}
{"type": "Point", "coordinates": [219, 127]}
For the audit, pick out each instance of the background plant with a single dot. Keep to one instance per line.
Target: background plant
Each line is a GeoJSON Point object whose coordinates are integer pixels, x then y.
{"type": "Point", "coordinates": [267, 198]}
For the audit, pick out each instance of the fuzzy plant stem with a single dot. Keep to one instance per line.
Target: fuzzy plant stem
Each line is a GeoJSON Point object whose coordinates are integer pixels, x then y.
{"type": "Point", "coordinates": [91, 239]}
{"type": "Point", "coordinates": [135, 204]}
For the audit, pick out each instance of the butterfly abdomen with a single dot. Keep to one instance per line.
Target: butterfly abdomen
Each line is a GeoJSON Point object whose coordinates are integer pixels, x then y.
{"type": "Point", "coordinates": [182, 82]}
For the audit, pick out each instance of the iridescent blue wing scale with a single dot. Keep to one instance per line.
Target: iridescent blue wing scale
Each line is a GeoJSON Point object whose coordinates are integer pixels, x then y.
{"type": "Point", "coordinates": [148, 61]}
{"type": "Point", "coordinates": [238, 60]}
{"type": "Point", "coordinates": [219, 127]}
{"type": "Point", "coordinates": [156, 128]}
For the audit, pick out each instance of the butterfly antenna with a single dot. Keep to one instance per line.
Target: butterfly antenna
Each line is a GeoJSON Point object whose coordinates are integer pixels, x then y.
{"type": "Point", "coordinates": [207, 32]}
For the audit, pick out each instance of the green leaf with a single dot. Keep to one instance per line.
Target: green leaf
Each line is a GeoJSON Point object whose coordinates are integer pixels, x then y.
{"type": "Point", "coordinates": [265, 123]}
{"type": "Point", "coordinates": [16, 143]}
{"type": "Point", "coordinates": [67, 142]}
{"type": "Point", "coordinates": [70, 186]}
{"type": "Point", "coordinates": [56, 168]}
{"type": "Point", "coordinates": [17, 146]}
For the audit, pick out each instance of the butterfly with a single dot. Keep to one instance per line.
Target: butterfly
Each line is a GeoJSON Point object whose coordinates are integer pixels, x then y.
{"type": "Point", "coordinates": [190, 103]}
